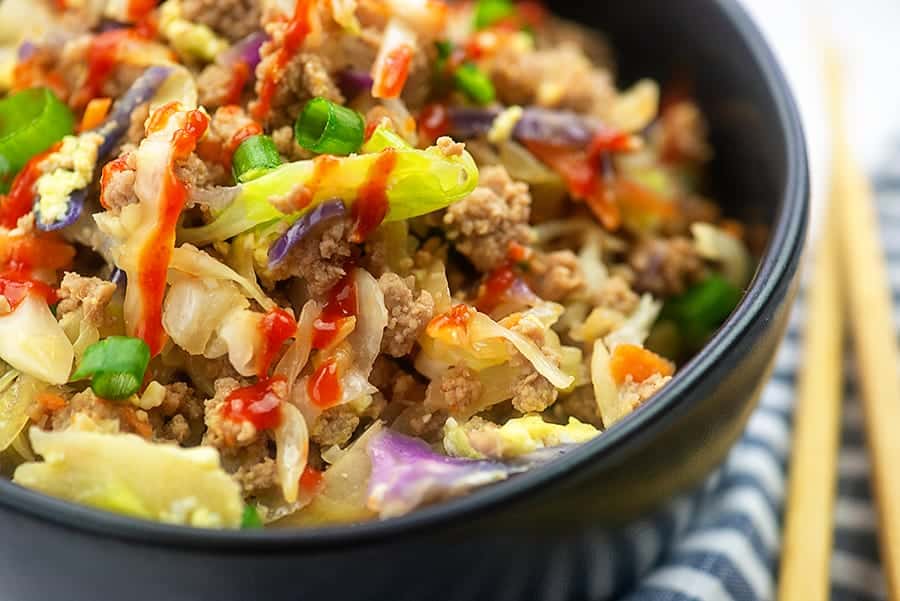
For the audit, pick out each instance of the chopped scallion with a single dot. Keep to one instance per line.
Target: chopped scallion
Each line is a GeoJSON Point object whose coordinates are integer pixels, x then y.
{"type": "Point", "coordinates": [255, 157]}
{"type": "Point", "coordinates": [488, 12]}
{"type": "Point", "coordinates": [31, 121]}
{"type": "Point", "coordinates": [250, 520]}
{"type": "Point", "coordinates": [474, 83]}
{"type": "Point", "coordinates": [116, 366]}
{"type": "Point", "coordinates": [702, 309]}
{"type": "Point", "coordinates": [328, 128]}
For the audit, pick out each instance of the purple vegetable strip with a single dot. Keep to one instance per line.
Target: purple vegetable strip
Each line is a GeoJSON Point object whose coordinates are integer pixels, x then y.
{"type": "Point", "coordinates": [406, 473]}
{"type": "Point", "coordinates": [26, 51]}
{"type": "Point", "coordinates": [119, 120]}
{"type": "Point", "coordinates": [300, 228]}
{"type": "Point", "coordinates": [557, 128]}
{"type": "Point", "coordinates": [246, 50]}
{"type": "Point", "coordinates": [112, 131]}
{"type": "Point", "coordinates": [353, 82]}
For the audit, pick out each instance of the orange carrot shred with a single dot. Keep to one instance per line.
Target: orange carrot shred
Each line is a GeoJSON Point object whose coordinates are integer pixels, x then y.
{"type": "Point", "coordinates": [95, 113]}
{"type": "Point", "coordinates": [637, 362]}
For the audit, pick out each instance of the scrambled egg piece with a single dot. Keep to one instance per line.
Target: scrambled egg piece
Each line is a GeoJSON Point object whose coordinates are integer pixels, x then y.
{"type": "Point", "coordinates": [189, 39]}
{"type": "Point", "coordinates": [477, 438]}
{"type": "Point", "coordinates": [68, 169]}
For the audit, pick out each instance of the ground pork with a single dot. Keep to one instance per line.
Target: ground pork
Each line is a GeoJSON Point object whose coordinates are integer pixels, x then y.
{"type": "Point", "coordinates": [319, 258]}
{"type": "Point", "coordinates": [665, 266]}
{"type": "Point", "coordinates": [334, 426]}
{"type": "Point", "coordinates": [222, 432]}
{"type": "Point", "coordinates": [197, 173]}
{"type": "Point", "coordinates": [581, 405]}
{"type": "Point", "coordinates": [214, 85]}
{"type": "Point", "coordinates": [180, 416]}
{"type": "Point", "coordinates": [485, 223]}
{"type": "Point", "coordinates": [395, 383]}
{"type": "Point", "coordinates": [634, 394]}
{"type": "Point", "coordinates": [615, 293]}
{"type": "Point", "coordinates": [306, 76]}
{"type": "Point", "coordinates": [533, 392]}
{"type": "Point", "coordinates": [91, 294]}
{"type": "Point", "coordinates": [457, 391]}
{"type": "Point", "coordinates": [407, 314]}
{"type": "Point", "coordinates": [287, 146]}
{"type": "Point", "coordinates": [555, 32]}
{"type": "Point", "coordinates": [117, 189]}
{"type": "Point", "coordinates": [233, 19]}
{"type": "Point", "coordinates": [555, 275]}
{"type": "Point", "coordinates": [683, 135]}
{"type": "Point", "coordinates": [86, 404]}
{"type": "Point", "coordinates": [449, 148]}
{"type": "Point", "coordinates": [559, 77]}
{"type": "Point", "coordinates": [257, 477]}
{"type": "Point", "coordinates": [225, 123]}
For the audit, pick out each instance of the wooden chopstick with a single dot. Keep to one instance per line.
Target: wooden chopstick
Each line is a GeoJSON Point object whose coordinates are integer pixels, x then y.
{"type": "Point", "coordinates": [808, 531]}
{"type": "Point", "coordinates": [865, 281]}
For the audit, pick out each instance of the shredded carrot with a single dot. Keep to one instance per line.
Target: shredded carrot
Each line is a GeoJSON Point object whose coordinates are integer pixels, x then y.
{"type": "Point", "coordinates": [142, 428]}
{"type": "Point", "coordinates": [95, 113]}
{"type": "Point", "coordinates": [637, 362]}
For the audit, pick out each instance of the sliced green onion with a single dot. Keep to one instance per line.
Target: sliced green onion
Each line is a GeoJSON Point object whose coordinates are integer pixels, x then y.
{"type": "Point", "coordinates": [31, 121]}
{"type": "Point", "coordinates": [115, 365]}
{"type": "Point", "coordinates": [702, 309]}
{"type": "Point", "coordinates": [255, 157]}
{"type": "Point", "coordinates": [328, 128]}
{"type": "Point", "coordinates": [488, 12]}
{"type": "Point", "coordinates": [250, 520]}
{"type": "Point", "coordinates": [472, 81]}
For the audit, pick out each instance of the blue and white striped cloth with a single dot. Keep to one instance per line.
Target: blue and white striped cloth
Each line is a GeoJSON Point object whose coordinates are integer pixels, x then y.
{"type": "Point", "coordinates": [722, 543]}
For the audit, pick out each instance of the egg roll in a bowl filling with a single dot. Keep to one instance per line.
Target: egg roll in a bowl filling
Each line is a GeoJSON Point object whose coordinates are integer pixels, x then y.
{"type": "Point", "coordinates": [310, 262]}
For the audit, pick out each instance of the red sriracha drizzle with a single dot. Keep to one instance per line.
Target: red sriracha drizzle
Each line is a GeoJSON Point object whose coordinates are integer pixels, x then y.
{"type": "Point", "coordinates": [103, 54]}
{"type": "Point", "coordinates": [153, 262]}
{"type": "Point", "coordinates": [276, 328]}
{"type": "Point", "coordinates": [458, 316]}
{"type": "Point", "coordinates": [324, 386]}
{"type": "Point", "coordinates": [342, 305]}
{"type": "Point", "coordinates": [495, 288]}
{"type": "Point", "coordinates": [434, 122]}
{"type": "Point", "coordinates": [258, 404]}
{"type": "Point", "coordinates": [371, 204]}
{"type": "Point", "coordinates": [20, 199]}
{"type": "Point", "coordinates": [16, 285]}
{"type": "Point", "coordinates": [295, 34]}
{"type": "Point", "coordinates": [323, 165]}
{"type": "Point", "coordinates": [311, 480]}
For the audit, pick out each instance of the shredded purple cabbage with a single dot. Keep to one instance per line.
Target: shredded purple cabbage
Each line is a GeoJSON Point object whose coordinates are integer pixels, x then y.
{"type": "Point", "coordinates": [557, 128]}
{"type": "Point", "coordinates": [246, 50]}
{"type": "Point", "coordinates": [300, 228]}
{"type": "Point", "coordinates": [406, 473]}
{"type": "Point", "coordinates": [353, 82]}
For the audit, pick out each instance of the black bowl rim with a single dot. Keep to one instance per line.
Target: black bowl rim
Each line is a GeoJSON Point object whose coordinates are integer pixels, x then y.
{"type": "Point", "coordinates": [777, 267]}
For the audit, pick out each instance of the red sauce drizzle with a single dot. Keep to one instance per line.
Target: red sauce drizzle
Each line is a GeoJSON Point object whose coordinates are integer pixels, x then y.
{"type": "Point", "coordinates": [324, 386]}
{"type": "Point", "coordinates": [434, 122]}
{"type": "Point", "coordinates": [371, 204]}
{"type": "Point", "coordinates": [16, 285]}
{"type": "Point", "coordinates": [311, 480]}
{"type": "Point", "coordinates": [394, 72]}
{"type": "Point", "coordinates": [458, 316]}
{"type": "Point", "coordinates": [153, 262]}
{"type": "Point", "coordinates": [258, 404]}
{"type": "Point", "coordinates": [139, 9]}
{"type": "Point", "coordinates": [103, 54]}
{"type": "Point", "coordinates": [297, 29]}
{"type": "Point", "coordinates": [240, 75]}
{"type": "Point", "coordinates": [276, 328]}
{"type": "Point", "coordinates": [20, 199]}
{"type": "Point", "coordinates": [116, 165]}
{"type": "Point", "coordinates": [247, 131]}
{"type": "Point", "coordinates": [342, 305]}
{"type": "Point", "coordinates": [495, 288]}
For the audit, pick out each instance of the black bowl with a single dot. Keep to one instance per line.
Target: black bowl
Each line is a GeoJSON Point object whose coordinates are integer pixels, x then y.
{"type": "Point", "coordinates": [530, 537]}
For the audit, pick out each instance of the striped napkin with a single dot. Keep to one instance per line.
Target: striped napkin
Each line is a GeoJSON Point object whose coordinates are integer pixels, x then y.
{"type": "Point", "coordinates": [722, 543]}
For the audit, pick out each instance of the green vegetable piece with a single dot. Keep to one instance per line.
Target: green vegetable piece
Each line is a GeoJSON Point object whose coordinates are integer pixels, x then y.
{"type": "Point", "coordinates": [255, 157]}
{"type": "Point", "coordinates": [31, 121]}
{"type": "Point", "coordinates": [702, 309]}
{"type": "Point", "coordinates": [250, 519]}
{"type": "Point", "coordinates": [474, 83]}
{"type": "Point", "coordinates": [328, 128]}
{"type": "Point", "coordinates": [420, 182]}
{"type": "Point", "coordinates": [115, 365]}
{"type": "Point", "coordinates": [488, 12]}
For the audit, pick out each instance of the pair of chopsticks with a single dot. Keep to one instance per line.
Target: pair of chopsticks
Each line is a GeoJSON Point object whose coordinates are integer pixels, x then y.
{"type": "Point", "coordinates": [849, 281]}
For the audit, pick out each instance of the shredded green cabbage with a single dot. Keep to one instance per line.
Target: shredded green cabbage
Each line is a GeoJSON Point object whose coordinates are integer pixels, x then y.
{"type": "Point", "coordinates": [125, 474]}
{"type": "Point", "coordinates": [478, 439]}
